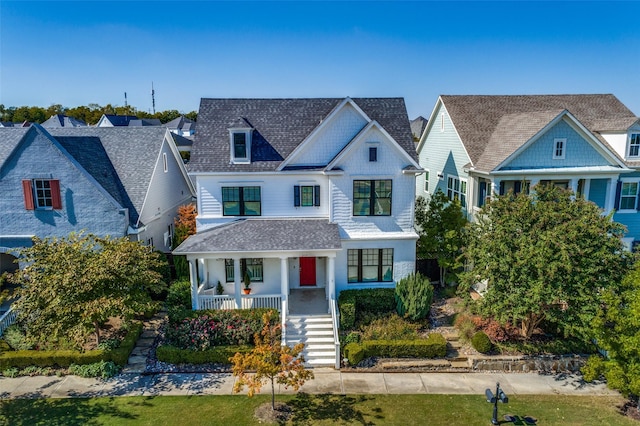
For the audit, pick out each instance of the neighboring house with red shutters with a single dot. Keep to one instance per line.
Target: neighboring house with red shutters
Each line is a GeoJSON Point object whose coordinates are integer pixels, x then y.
{"type": "Point", "coordinates": [106, 181]}
{"type": "Point", "coordinates": [306, 197]}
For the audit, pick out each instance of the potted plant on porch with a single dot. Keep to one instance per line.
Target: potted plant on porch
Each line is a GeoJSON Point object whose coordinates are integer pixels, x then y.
{"type": "Point", "coordinates": [247, 283]}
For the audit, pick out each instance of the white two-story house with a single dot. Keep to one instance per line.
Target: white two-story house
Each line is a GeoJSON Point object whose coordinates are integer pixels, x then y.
{"type": "Point", "coordinates": [300, 194]}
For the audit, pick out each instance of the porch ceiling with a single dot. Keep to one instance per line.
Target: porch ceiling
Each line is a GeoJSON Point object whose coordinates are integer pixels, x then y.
{"type": "Point", "coordinates": [265, 235]}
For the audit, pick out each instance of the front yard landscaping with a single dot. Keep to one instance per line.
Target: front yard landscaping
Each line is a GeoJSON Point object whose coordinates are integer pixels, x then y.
{"type": "Point", "coordinates": [315, 410]}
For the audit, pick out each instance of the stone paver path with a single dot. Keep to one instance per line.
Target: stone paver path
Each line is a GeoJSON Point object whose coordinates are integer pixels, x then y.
{"type": "Point", "coordinates": [137, 362]}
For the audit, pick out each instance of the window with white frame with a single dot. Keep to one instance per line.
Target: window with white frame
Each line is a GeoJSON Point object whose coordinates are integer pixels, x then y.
{"type": "Point", "coordinates": [628, 195]}
{"type": "Point", "coordinates": [44, 198]}
{"type": "Point", "coordinates": [457, 190]}
{"type": "Point", "coordinates": [559, 148]}
{"type": "Point", "coordinates": [426, 181]}
{"type": "Point", "coordinates": [634, 145]}
{"type": "Point", "coordinates": [240, 146]}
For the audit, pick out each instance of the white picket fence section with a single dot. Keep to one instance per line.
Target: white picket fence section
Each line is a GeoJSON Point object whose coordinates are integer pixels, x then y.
{"type": "Point", "coordinates": [7, 319]}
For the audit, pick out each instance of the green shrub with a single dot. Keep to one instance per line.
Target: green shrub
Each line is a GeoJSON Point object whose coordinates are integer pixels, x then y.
{"type": "Point", "coordinates": [64, 358]}
{"type": "Point", "coordinates": [364, 304]}
{"type": "Point", "coordinates": [413, 296]}
{"type": "Point", "coordinates": [4, 346]}
{"type": "Point", "coordinates": [354, 352]}
{"type": "Point", "coordinates": [103, 369]}
{"type": "Point", "coordinates": [391, 327]}
{"type": "Point", "coordinates": [466, 327]}
{"type": "Point", "coordinates": [182, 267]}
{"type": "Point", "coordinates": [219, 354]}
{"type": "Point", "coordinates": [593, 369]}
{"type": "Point", "coordinates": [179, 300]}
{"type": "Point", "coordinates": [15, 337]}
{"type": "Point", "coordinates": [481, 342]}
{"type": "Point", "coordinates": [434, 346]}
{"type": "Point", "coordinates": [353, 337]}
{"type": "Point", "coordinates": [11, 372]}
{"type": "Point", "coordinates": [108, 344]}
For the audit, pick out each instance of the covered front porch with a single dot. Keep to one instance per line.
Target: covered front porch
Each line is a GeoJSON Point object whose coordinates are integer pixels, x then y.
{"type": "Point", "coordinates": [278, 256]}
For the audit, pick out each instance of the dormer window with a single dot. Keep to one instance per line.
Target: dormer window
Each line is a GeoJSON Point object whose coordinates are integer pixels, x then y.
{"type": "Point", "coordinates": [634, 145]}
{"type": "Point", "coordinates": [240, 140]}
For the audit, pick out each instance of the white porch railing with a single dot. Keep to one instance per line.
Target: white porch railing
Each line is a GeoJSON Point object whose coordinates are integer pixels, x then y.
{"type": "Point", "coordinates": [216, 302]}
{"type": "Point", "coordinates": [283, 321]}
{"type": "Point", "coordinates": [273, 301]}
{"type": "Point", "coordinates": [335, 316]}
{"type": "Point", "coordinates": [7, 319]}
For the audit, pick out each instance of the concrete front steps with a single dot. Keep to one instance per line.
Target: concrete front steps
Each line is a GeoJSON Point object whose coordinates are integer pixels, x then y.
{"type": "Point", "coordinates": [316, 332]}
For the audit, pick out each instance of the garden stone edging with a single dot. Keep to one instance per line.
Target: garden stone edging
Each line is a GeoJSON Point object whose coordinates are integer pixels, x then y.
{"type": "Point", "coordinates": [527, 364]}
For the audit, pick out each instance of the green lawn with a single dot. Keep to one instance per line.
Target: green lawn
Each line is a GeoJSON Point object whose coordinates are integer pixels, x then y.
{"type": "Point", "coordinates": [313, 410]}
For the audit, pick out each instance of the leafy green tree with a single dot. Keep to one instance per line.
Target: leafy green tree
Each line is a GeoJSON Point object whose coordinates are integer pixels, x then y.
{"type": "Point", "coordinates": [545, 257]}
{"type": "Point", "coordinates": [272, 363]}
{"type": "Point", "coordinates": [441, 225]}
{"type": "Point", "coordinates": [73, 285]}
{"type": "Point", "coordinates": [618, 332]}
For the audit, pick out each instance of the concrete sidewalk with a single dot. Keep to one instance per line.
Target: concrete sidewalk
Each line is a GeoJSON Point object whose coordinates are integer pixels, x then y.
{"type": "Point", "coordinates": [326, 381]}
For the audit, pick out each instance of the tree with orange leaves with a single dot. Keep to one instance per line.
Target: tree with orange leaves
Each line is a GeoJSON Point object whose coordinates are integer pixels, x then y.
{"type": "Point", "coordinates": [185, 223]}
{"type": "Point", "coordinates": [270, 361]}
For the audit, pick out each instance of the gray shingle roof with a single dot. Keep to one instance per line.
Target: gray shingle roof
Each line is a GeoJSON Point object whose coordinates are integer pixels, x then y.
{"type": "Point", "coordinates": [280, 126]}
{"type": "Point", "coordinates": [61, 120]}
{"type": "Point", "coordinates": [418, 125]}
{"type": "Point", "coordinates": [131, 151]}
{"type": "Point", "coordinates": [481, 120]}
{"type": "Point", "coordinates": [120, 120]}
{"type": "Point", "coordinates": [265, 235]}
{"type": "Point", "coordinates": [10, 137]}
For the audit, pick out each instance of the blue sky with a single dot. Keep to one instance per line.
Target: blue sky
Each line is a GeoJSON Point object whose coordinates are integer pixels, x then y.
{"type": "Point", "coordinates": [81, 52]}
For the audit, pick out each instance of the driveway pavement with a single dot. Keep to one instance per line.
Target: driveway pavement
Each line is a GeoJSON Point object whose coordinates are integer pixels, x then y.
{"type": "Point", "coordinates": [326, 381]}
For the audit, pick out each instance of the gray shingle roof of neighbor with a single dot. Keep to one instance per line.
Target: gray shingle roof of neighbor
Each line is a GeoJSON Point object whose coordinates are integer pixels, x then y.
{"type": "Point", "coordinates": [120, 120]}
{"type": "Point", "coordinates": [10, 137]}
{"type": "Point", "coordinates": [61, 120]}
{"type": "Point", "coordinates": [478, 117]}
{"type": "Point", "coordinates": [179, 123]}
{"type": "Point", "coordinates": [418, 125]}
{"type": "Point", "coordinates": [145, 122]}
{"type": "Point", "coordinates": [265, 235]}
{"type": "Point", "coordinates": [280, 125]}
{"type": "Point", "coordinates": [132, 152]}
{"type": "Point", "coordinates": [181, 141]}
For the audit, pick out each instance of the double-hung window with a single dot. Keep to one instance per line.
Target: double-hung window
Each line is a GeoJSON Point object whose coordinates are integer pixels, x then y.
{"type": "Point", "coordinates": [628, 195]}
{"type": "Point", "coordinates": [457, 190]}
{"type": "Point", "coordinates": [240, 140]}
{"type": "Point", "coordinates": [426, 181]}
{"type": "Point", "coordinates": [251, 266]}
{"type": "Point", "coordinates": [372, 197]}
{"type": "Point", "coordinates": [241, 201]}
{"type": "Point", "coordinates": [370, 265]}
{"type": "Point", "coordinates": [634, 145]}
{"type": "Point", "coordinates": [306, 195]}
{"type": "Point", "coordinates": [559, 148]}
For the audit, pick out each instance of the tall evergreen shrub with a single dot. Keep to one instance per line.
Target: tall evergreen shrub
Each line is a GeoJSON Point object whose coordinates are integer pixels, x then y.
{"type": "Point", "coordinates": [414, 295]}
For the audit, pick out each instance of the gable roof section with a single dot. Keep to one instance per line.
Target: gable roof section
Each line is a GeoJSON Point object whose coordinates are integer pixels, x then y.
{"type": "Point", "coordinates": [10, 138]}
{"type": "Point", "coordinates": [61, 120]}
{"type": "Point", "coordinates": [280, 125]}
{"type": "Point", "coordinates": [132, 151]}
{"type": "Point", "coordinates": [479, 120]}
{"type": "Point", "coordinates": [118, 120]}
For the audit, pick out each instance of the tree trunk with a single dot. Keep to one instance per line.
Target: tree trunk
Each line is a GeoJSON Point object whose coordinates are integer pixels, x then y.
{"type": "Point", "coordinates": [442, 275]}
{"type": "Point", "coordinates": [529, 324]}
{"type": "Point", "coordinates": [273, 395]}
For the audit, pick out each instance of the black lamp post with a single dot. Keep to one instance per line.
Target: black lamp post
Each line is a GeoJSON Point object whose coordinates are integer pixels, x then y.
{"type": "Point", "coordinates": [493, 399]}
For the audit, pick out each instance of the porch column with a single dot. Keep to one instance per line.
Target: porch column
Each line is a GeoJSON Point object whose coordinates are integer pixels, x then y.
{"type": "Point", "coordinates": [284, 277]}
{"type": "Point", "coordinates": [573, 186]}
{"type": "Point", "coordinates": [532, 183]}
{"type": "Point", "coordinates": [202, 271]}
{"type": "Point", "coordinates": [237, 278]}
{"type": "Point", "coordinates": [495, 188]}
{"type": "Point", "coordinates": [331, 276]}
{"type": "Point", "coordinates": [194, 285]}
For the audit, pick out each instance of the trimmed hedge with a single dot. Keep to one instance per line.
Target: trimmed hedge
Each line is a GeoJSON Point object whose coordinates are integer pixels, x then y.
{"type": "Point", "coordinates": [354, 303]}
{"type": "Point", "coordinates": [120, 355]}
{"type": "Point", "coordinates": [219, 354]}
{"type": "Point", "coordinates": [434, 346]}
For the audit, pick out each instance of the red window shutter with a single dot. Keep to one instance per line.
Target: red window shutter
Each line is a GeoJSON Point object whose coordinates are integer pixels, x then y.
{"type": "Point", "coordinates": [56, 201]}
{"type": "Point", "coordinates": [27, 191]}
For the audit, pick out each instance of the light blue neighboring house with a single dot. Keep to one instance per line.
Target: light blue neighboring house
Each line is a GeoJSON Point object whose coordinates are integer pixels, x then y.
{"type": "Point", "coordinates": [476, 146]}
{"type": "Point", "coordinates": [106, 181]}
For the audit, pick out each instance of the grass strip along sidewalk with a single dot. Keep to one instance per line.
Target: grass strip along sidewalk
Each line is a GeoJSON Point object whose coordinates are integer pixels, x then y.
{"type": "Point", "coordinates": [315, 410]}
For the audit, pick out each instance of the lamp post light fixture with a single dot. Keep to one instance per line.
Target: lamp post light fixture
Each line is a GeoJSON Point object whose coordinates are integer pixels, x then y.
{"type": "Point", "coordinates": [493, 399]}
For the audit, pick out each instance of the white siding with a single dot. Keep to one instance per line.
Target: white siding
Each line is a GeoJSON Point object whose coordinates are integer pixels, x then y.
{"type": "Point", "coordinates": [327, 143]}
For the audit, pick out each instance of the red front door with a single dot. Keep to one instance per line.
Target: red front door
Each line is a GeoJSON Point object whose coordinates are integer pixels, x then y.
{"type": "Point", "coordinates": [307, 271]}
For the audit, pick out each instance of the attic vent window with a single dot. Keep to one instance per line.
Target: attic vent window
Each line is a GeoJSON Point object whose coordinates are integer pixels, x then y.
{"type": "Point", "coordinates": [373, 154]}
{"type": "Point", "coordinates": [240, 140]}
{"type": "Point", "coordinates": [559, 148]}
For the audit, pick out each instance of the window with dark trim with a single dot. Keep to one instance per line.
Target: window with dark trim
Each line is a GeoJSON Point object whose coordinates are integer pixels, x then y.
{"type": "Point", "coordinates": [41, 194]}
{"type": "Point", "coordinates": [372, 197]}
{"type": "Point", "coordinates": [306, 196]}
{"type": "Point", "coordinates": [370, 265]}
{"type": "Point", "coordinates": [373, 154]}
{"type": "Point", "coordinates": [240, 146]}
{"type": "Point", "coordinates": [252, 266]}
{"type": "Point", "coordinates": [241, 201]}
